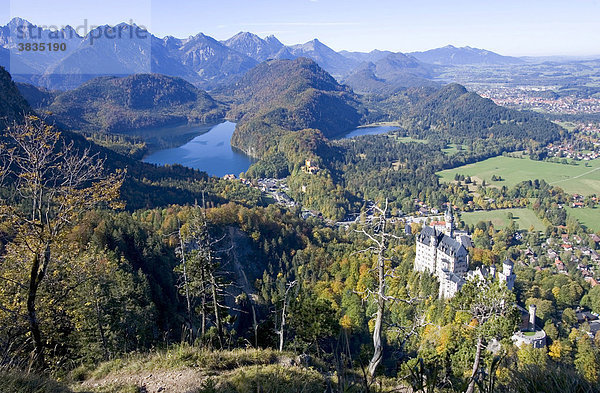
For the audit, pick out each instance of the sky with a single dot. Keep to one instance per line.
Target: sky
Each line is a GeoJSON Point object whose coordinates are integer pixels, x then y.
{"type": "Point", "coordinates": [509, 27]}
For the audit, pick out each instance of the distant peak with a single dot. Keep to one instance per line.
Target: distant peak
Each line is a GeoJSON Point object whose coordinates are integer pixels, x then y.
{"type": "Point", "coordinates": [244, 34]}
{"type": "Point", "coordinates": [19, 22]}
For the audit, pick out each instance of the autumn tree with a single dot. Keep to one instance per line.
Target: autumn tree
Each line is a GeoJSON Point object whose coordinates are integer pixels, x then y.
{"type": "Point", "coordinates": [491, 311]}
{"type": "Point", "coordinates": [49, 183]}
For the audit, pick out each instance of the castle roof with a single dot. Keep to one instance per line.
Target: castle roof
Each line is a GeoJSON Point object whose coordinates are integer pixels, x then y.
{"type": "Point", "coordinates": [443, 242]}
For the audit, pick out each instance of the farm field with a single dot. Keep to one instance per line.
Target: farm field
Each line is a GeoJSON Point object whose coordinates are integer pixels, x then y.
{"type": "Point", "coordinates": [571, 178]}
{"type": "Point", "coordinates": [523, 216]}
{"type": "Point", "coordinates": [586, 216]}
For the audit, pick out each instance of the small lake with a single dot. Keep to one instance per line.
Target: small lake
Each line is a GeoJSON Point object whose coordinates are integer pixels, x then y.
{"type": "Point", "coordinates": [210, 151]}
{"type": "Point", "coordinates": [208, 148]}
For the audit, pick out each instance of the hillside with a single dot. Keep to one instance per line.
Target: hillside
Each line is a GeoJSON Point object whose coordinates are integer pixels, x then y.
{"type": "Point", "coordinates": [133, 102]}
{"type": "Point", "coordinates": [456, 112]}
{"type": "Point", "coordinates": [290, 95]}
{"type": "Point", "coordinates": [12, 103]}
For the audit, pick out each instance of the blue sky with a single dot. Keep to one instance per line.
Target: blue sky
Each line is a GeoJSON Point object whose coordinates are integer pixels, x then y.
{"type": "Point", "coordinates": [525, 27]}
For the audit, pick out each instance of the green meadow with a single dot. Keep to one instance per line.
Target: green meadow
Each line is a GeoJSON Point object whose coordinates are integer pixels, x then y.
{"type": "Point", "coordinates": [586, 216]}
{"type": "Point", "coordinates": [578, 178]}
{"type": "Point", "coordinates": [524, 218]}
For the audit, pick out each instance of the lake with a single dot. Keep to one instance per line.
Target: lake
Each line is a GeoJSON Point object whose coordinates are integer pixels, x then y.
{"type": "Point", "coordinates": [210, 149]}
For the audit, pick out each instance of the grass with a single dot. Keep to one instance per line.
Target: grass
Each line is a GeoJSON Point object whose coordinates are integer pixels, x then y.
{"type": "Point", "coordinates": [588, 217]}
{"type": "Point", "coordinates": [183, 356]}
{"type": "Point", "coordinates": [202, 371]}
{"type": "Point", "coordinates": [13, 382]}
{"type": "Point", "coordinates": [530, 334]}
{"type": "Point", "coordinates": [270, 379]}
{"type": "Point", "coordinates": [524, 217]}
{"type": "Point", "coordinates": [571, 178]}
{"type": "Point", "coordinates": [451, 149]}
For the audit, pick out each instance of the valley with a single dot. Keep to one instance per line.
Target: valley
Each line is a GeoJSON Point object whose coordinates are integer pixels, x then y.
{"type": "Point", "coordinates": [198, 215]}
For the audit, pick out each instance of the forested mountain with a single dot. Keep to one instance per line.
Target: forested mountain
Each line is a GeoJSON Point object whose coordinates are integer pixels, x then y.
{"type": "Point", "coordinates": [132, 102]}
{"type": "Point", "coordinates": [37, 97]}
{"type": "Point", "coordinates": [289, 95]}
{"type": "Point", "coordinates": [451, 55]}
{"type": "Point", "coordinates": [12, 104]}
{"type": "Point", "coordinates": [456, 112]}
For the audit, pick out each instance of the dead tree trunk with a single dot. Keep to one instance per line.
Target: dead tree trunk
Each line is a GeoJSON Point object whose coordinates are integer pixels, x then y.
{"type": "Point", "coordinates": [377, 344]}
{"type": "Point", "coordinates": [36, 275]}
{"type": "Point", "coordinates": [281, 331]}
{"type": "Point", "coordinates": [215, 302]}
{"type": "Point", "coordinates": [185, 280]}
{"type": "Point", "coordinates": [471, 387]}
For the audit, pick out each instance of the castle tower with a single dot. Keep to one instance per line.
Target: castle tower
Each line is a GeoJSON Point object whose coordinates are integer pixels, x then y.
{"type": "Point", "coordinates": [532, 310]}
{"type": "Point", "coordinates": [449, 217]}
{"type": "Point", "coordinates": [508, 276]}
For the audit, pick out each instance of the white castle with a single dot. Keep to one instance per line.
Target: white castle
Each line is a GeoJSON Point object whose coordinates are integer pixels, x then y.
{"type": "Point", "coordinates": [443, 253]}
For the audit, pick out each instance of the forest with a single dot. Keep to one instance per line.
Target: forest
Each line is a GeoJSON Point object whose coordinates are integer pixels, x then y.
{"type": "Point", "coordinates": [112, 269]}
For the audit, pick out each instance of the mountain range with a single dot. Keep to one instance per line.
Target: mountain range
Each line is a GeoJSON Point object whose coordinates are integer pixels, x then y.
{"type": "Point", "coordinates": [206, 62]}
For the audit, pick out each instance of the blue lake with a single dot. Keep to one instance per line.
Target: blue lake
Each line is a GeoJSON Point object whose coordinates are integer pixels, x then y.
{"type": "Point", "coordinates": [210, 151]}
{"type": "Point", "coordinates": [208, 148]}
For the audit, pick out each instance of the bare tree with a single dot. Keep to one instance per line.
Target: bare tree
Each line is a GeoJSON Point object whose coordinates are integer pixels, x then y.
{"type": "Point", "coordinates": [377, 234]}
{"type": "Point", "coordinates": [281, 331]}
{"type": "Point", "coordinates": [52, 184]}
{"type": "Point", "coordinates": [199, 269]}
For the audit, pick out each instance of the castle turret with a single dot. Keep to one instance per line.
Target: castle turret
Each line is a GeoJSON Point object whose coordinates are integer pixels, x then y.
{"type": "Point", "coordinates": [508, 276]}
{"type": "Point", "coordinates": [532, 309]}
{"type": "Point", "coordinates": [449, 217]}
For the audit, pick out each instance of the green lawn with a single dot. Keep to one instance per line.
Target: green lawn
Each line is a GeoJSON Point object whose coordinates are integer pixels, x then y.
{"type": "Point", "coordinates": [523, 216]}
{"type": "Point", "coordinates": [451, 149]}
{"type": "Point", "coordinates": [586, 216]}
{"type": "Point", "coordinates": [572, 178]}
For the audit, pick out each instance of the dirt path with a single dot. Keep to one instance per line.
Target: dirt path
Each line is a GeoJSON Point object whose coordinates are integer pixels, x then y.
{"type": "Point", "coordinates": [157, 381]}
